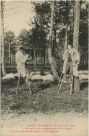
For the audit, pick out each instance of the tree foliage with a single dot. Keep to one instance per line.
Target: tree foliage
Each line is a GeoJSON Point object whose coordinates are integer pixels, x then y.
{"type": "Point", "coordinates": [37, 38]}
{"type": "Point", "coordinates": [10, 41]}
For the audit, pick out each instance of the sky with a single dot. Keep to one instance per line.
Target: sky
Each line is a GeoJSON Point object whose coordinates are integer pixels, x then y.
{"type": "Point", "coordinates": [17, 15]}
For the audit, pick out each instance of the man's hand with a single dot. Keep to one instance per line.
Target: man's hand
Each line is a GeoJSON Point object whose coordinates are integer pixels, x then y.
{"type": "Point", "coordinates": [76, 62]}
{"type": "Point", "coordinates": [30, 57]}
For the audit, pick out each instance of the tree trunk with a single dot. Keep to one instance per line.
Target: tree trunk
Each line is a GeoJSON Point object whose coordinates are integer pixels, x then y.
{"type": "Point", "coordinates": [44, 58]}
{"type": "Point", "coordinates": [2, 39]}
{"type": "Point", "coordinates": [0, 48]}
{"type": "Point", "coordinates": [43, 45]}
{"type": "Point", "coordinates": [65, 45]}
{"type": "Point", "coordinates": [76, 24]}
{"type": "Point", "coordinates": [66, 22]}
{"type": "Point", "coordinates": [11, 58]}
{"type": "Point", "coordinates": [9, 54]}
{"type": "Point", "coordinates": [76, 35]}
{"type": "Point", "coordinates": [50, 57]}
{"type": "Point", "coordinates": [34, 58]}
{"type": "Point", "coordinates": [54, 42]}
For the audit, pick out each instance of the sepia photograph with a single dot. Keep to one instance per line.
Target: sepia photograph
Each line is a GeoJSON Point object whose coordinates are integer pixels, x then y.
{"type": "Point", "coordinates": [44, 67]}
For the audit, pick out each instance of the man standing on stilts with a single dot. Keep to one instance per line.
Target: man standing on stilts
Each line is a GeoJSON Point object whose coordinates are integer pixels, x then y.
{"type": "Point", "coordinates": [71, 60]}
{"type": "Point", "coordinates": [21, 58]}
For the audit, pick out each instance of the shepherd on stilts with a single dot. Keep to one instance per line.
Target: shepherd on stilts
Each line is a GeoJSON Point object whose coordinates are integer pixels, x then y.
{"type": "Point", "coordinates": [71, 60]}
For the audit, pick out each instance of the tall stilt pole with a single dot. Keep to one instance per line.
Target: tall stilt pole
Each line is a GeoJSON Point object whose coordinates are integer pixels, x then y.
{"type": "Point", "coordinates": [2, 38]}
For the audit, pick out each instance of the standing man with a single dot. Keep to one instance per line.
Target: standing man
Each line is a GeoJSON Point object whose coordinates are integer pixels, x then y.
{"type": "Point", "coordinates": [21, 58]}
{"type": "Point", "coordinates": [71, 60]}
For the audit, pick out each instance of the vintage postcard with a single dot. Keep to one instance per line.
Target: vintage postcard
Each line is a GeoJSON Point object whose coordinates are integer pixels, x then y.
{"type": "Point", "coordinates": [44, 68]}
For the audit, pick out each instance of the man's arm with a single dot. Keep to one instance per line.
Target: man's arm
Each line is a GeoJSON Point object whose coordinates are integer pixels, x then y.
{"type": "Point", "coordinates": [64, 55]}
{"type": "Point", "coordinates": [76, 56]}
{"type": "Point", "coordinates": [29, 57]}
{"type": "Point", "coordinates": [25, 57]}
